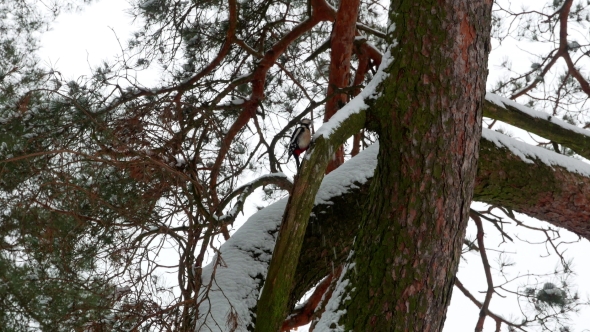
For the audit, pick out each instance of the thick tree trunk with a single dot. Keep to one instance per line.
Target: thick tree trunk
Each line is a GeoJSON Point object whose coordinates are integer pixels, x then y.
{"type": "Point", "coordinates": [553, 194]}
{"type": "Point", "coordinates": [428, 118]}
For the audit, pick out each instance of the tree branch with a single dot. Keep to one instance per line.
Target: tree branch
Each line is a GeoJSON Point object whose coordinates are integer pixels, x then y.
{"type": "Point", "coordinates": [553, 194]}
{"type": "Point", "coordinates": [541, 124]}
{"type": "Point", "coordinates": [486, 265]}
{"type": "Point", "coordinates": [278, 179]}
{"type": "Point", "coordinates": [502, 177]}
{"type": "Point", "coordinates": [320, 13]}
{"type": "Point", "coordinates": [341, 42]}
{"type": "Point", "coordinates": [188, 84]}
{"type": "Point", "coordinates": [495, 317]}
{"type": "Point", "coordinates": [272, 306]}
{"type": "Point", "coordinates": [547, 192]}
{"type": "Point", "coordinates": [303, 315]}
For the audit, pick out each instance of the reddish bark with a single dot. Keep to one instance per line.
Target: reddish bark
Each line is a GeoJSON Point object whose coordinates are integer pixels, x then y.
{"type": "Point", "coordinates": [563, 45]}
{"type": "Point", "coordinates": [229, 39]}
{"type": "Point", "coordinates": [428, 119]}
{"type": "Point", "coordinates": [302, 316]}
{"type": "Point", "coordinates": [553, 194]}
{"type": "Point", "coordinates": [321, 12]}
{"type": "Point", "coordinates": [562, 52]}
{"type": "Point", "coordinates": [356, 144]}
{"type": "Point", "coordinates": [486, 265]}
{"type": "Point", "coordinates": [341, 40]}
{"type": "Point", "coordinates": [188, 84]}
{"type": "Point", "coordinates": [359, 76]}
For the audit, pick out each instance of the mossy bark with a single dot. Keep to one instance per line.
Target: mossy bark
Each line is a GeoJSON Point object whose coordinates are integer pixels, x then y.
{"type": "Point", "coordinates": [428, 119]}
{"type": "Point", "coordinates": [274, 300]}
{"type": "Point", "coordinates": [553, 194]}
{"type": "Point", "coordinates": [577, 141]}
{"type": "Point", "coordinates": [549, 193]}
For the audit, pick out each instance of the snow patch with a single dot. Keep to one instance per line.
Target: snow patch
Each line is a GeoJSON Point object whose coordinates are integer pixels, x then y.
{"type": "Point", "coordinates": [524, 151]}
{"type": "Point", "coordinates": [357, 104]}
{"type": "Point", "coordinates": [358, 169]}
{"type": "Point", "coordinates": [503, 102]}
{"type": "Point", "coordinates": [329, 320]}
{"type": "Point", "coordinates": [231, 284]}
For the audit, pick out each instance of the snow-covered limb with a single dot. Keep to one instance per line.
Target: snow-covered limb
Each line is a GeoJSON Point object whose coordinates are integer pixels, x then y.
{"type": "Point", "coordinates": [232, 283]}
{"type": "Point", "coordinates": [278, 179]}
{"type": "Point", "coordinates": [330, 319]}
{"type": "Point", "coordinates": [358, 104]}
{"type": "Point", "coordinates": [505, 176]}
{"type": "Point", "coordinates": [539, 123]}
{"type": "Point", "coordinates": [550, 193]}
{"type": "Point", "coordinates": [535, 181]}
{"type": "Point", "coordinates": [528, 153]}
{"type": "Point", "coordinates": [273, 301]}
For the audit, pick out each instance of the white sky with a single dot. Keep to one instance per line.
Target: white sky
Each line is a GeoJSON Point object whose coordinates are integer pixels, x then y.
{"type": "Point", "coordinates": [79, 41]}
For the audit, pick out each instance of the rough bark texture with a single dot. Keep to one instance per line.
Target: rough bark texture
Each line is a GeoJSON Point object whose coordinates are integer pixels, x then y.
{"type": "Point", "coordinates": [278, 286]}
{"type": "Point", "coordinates": [429, 123]}
{"type": "Point", "coordinates": [578, 142]}
{"type": "Point", "coordinates": [341, 43]}
{"type": "Point", "coordinates": [549, 193]}
{"type": "Point", "coordinates": [328, 239]}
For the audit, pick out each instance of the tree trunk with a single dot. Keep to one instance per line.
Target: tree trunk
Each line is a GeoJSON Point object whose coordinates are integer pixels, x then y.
{"type": "Point", "coordinates": [401, 273]}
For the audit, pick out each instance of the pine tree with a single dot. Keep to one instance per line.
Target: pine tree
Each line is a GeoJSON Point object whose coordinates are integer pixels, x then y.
{"type": "Point", "coordinates": [103, 175]}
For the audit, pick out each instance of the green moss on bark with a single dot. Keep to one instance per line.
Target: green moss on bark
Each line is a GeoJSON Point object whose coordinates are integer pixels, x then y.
{"type": "Point", "coordinates": [428, 120]}
{"type": "Point", "coordinates": [509, 182]}
{"type": "Point", "coordinates": [579, 143]}
{"type": "Point", "coordinates": [274, 300]}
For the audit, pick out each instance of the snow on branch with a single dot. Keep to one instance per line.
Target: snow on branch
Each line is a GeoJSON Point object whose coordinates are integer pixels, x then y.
{"type": "Point", "coordinates": [539, 123]}
{"type": "Point", "coordinates": [278, 179]}
{"type": "Point", "coordinates": [506, 103]}
{"type": "Point", "coordinates": [232, 282]}
{"type": "Point", "coordinates": [525, 151]}
{"type": "Point", "coordinates": [357, 104]}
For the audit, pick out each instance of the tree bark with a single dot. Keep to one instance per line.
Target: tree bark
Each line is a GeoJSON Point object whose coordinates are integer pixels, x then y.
{"type": "Point", "coordinates": [278, 286]}
{"type": "Point", "coordinates": [428, 119]}
{"type": "Point", "coordinates": [553, 194]}
{"type": "Point", "coordinates": [546, 192]}
{"type": "Point", "coordinates": [576, 139]}
{"type": "Point", "coordinates": [341, 41]}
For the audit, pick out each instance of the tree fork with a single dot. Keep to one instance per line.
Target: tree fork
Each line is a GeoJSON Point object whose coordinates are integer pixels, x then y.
{"type": "Point", "coordinates": [428, 119]}
{"type": "Point", "coordinates": [503, 179]}
{"type": "Point", "coordinates": [274, 300]}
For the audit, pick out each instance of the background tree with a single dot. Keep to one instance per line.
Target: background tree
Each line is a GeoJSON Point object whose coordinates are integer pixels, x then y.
{"type": "Point", "coordinates": [103, 174]}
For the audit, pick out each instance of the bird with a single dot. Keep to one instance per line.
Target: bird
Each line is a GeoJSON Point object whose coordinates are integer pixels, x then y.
{"type": "Point", "coordinates": [300, 140]}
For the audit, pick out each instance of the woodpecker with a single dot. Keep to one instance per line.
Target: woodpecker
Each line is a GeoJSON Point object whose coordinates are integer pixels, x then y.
{"type": "Point", "coordinates": [300, 140]}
